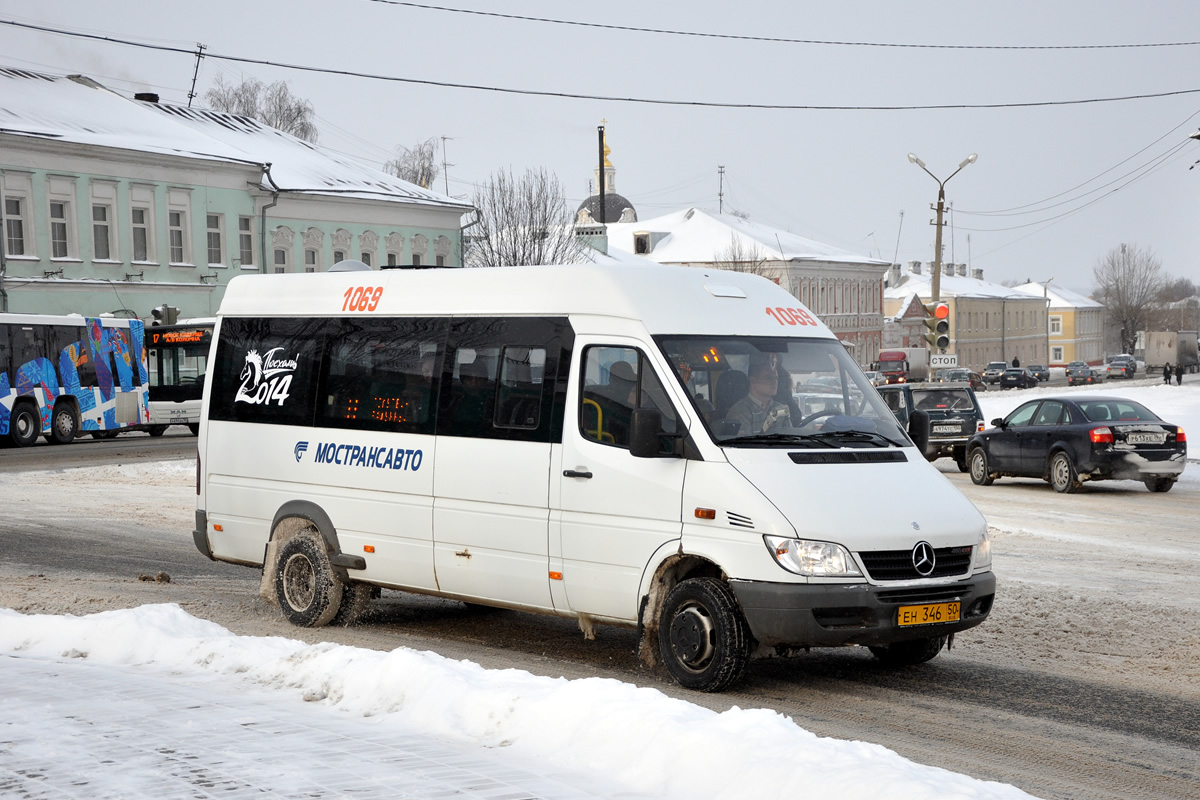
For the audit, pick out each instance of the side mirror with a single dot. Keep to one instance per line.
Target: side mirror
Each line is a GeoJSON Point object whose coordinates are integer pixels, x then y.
{"type": "Point", "coordinates": [918, 429]}
{"type": "Point", "coordinates": [998, 423]}
{"type": "Point", "coordinates": [645, 433]}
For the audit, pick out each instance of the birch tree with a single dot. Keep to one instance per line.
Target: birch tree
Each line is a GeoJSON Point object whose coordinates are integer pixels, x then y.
{"type": "Point", "coordinates": [521, 221]}
{"type": "Point", "coordinates": [1129, 279]}
{"type": "Point", "coordinates": [271, 104]}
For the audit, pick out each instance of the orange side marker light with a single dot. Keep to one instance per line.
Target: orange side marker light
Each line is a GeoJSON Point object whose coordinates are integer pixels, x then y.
{"type": "Point", "coordinates": [706, 513]}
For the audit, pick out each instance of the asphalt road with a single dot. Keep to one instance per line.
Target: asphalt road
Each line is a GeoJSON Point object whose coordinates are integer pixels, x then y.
{"type": "Point", "coordinates": [987, 708]}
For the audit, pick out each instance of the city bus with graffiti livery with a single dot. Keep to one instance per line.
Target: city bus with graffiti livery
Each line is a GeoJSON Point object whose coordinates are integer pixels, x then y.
{"type": "Point", "coordinates": [65, 376]}
{"type": "Point", "coordinates": [176, 357]}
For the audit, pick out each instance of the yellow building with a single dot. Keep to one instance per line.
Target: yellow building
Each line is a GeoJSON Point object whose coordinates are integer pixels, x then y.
{"type": "Point", "coordinates": [1076, 324]}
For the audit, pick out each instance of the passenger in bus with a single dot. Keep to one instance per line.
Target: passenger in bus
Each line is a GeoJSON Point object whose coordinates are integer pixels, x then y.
{"type": "Point", "coordinates": [472, 405]}
{"type": "Point", "coordinates": [759, 411]}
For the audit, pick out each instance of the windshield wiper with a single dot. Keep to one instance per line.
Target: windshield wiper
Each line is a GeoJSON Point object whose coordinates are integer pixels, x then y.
{"type": "Point", "coordinates": [769, 438]}
{"type": "Point", "coordinates": [826, 439]}
{"type": "Point", "coordinates": [855, 436]}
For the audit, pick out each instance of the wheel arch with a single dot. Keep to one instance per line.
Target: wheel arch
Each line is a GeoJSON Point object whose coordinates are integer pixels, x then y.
{"type": "Point", "coordinates": [671, 570]}
{"type": "Point", "coordinates": [296, 516]}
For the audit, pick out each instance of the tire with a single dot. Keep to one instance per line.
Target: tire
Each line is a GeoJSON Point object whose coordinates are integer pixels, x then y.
{"type": "Point", "coordinates": [356, 599]}
{"type": "Point", "coordinates": [309, 593]}
{"type": "Point", "coordinates": [64, 425]}
{"type": "Point", "coordinates": [24, 425]}
{"type": "Point", "coordinates": [978, 465]}
{"type": "Point", "coordinates": [194, 427]}
{"type": "Point", "coordinates": [157, 430]}
{"type": "Point", "coordinates": [960, 458]}
{"type": "Point", "coordinates": [1159, 484]}
{"type": "Point", "coordinates": [906, 654]}
{"type": "Point", "coordinates": [104, 434]}
{"type": "Point", "coordinates": [1063, 476]}
{"type": "Point", "coordinates": [702, 637]}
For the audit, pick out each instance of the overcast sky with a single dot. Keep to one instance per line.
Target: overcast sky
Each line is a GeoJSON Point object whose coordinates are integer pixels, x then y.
{"type": "Point", "coordinates": [1082, 178]}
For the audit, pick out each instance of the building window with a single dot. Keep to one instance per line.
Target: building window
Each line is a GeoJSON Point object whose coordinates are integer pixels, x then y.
{"type": "Point", "coordinates": [101, 233]}
{"type": "Point", "coordinates": [392, 260]}
{"type": "Point", "coordinates": [441, 261]}
{"type": "Point", "coordinates": [215, 225]}
{"type": "Point", "coordinates": [366, 258]}
{"type": "Point", "coordinates": [339, 255]}
{"type": "Point", "coordinates": [310, 260]}
{"type": "Point", "coordinates": [1056, 355]}
{"type": "Point", "coordinates": [245, 241]}
{"type": "Point", "coordinates": [416, 259]}
{"type": "Point", "coordinates": [281, 260]}
{"type": "Point", "coordinates": [175, 228]}
{"type": "Point", "coordinates": [141, 234]}
{"type": "Point", "coordinates": [14, 226]}
{"type": "Point", "coordinates": [1056, 325]}
{"type": "Point", "coordinates": [59, 244]}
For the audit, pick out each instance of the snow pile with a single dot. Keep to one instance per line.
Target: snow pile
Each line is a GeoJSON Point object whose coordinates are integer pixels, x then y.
{"type": "Point", "coordinates": [633, 736]}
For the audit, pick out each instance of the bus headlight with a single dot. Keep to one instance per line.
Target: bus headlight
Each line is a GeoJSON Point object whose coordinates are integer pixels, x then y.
{"type": "Point", "coordinates": [804, 557]}
{"type": "Point", "coordinates": [983, 552]}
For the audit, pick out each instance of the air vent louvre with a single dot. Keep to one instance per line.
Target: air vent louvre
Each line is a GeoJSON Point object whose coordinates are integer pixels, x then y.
{"type": "Point", "coordinates": [739, 520]}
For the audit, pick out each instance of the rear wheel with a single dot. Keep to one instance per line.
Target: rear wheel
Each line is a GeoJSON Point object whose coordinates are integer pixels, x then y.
{"type": "Point", "coordinates": [960, 458]}
{"type": "Point", "coordinates": [702, 636]}
{"type": "Point", "coordinates": [1063, 477]}
{"type": "Point", "coordinates": [24, 425]}
{"type": "Point", "coordinates": [308, 591]}
{"type": "Point", "coordinates": [980, 472]}
{"type": "Point", "coordinates": [104, 434]}
{"type": "Point", "coordinates": [64, 425]}
{"type": "Point", "coordinates": [194, 428]}
{"type": "Point", "coordinates": [906, 654]}
{"type": "Point", "coordinates": [1159, 484]}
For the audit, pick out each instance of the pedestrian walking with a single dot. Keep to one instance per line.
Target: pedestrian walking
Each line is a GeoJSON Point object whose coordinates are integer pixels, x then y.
{"type": "Point", "coordinates": [1016, 362]}
{"type": "Point", "coordinates": [1178, 374]}
{"type": "Point", "coordinates": [1167, 373]}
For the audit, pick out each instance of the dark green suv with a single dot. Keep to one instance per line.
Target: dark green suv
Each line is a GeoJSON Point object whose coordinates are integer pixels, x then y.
{"type": "Point", "coordinates": [954, 415]}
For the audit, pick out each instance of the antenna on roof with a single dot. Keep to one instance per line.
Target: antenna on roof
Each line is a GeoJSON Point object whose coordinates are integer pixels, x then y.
{"type": "Point", "coordinates": [200, 48]}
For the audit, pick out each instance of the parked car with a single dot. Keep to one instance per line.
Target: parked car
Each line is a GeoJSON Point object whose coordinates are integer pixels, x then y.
{"type": "Point", "coordinates": [1040, 371]}
{"type": "Point", "coordinates": [962, 375]}
{"type": "Point", "coordinates": [1123, 365]}
{"type": "Point", "coordinates": [1086, 375]}
{"type": "Point", "coordinates": [954, 415]}
{"type": "Point", "coordinates": [994, 370]}
{"type": "Point", "coordinates": [1017, 378]}
{"type": "Point", "coordinates": [1076, 438]}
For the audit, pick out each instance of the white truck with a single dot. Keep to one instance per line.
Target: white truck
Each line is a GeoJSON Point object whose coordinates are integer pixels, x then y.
{"type": "Point", "coordinates": [1171, 347]}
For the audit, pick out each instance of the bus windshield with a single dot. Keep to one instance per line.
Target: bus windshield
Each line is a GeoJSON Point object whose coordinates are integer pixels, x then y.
{"type": "Point", "coordinates": [178, 357]}
{"type": "Point", "coordinates": [763, 391]}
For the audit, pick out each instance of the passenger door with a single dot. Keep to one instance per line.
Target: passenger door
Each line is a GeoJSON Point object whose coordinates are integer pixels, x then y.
{"type": "Point", "coordinates": [1037, 438]}
{"type": "Point", "coordinates": [614, 511]}
{"type": "Point", "coordinates": [1004, 447]}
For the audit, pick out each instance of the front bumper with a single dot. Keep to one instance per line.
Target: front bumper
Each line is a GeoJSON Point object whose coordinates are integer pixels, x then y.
{"type": "Point", "coordinates": [789, 616]}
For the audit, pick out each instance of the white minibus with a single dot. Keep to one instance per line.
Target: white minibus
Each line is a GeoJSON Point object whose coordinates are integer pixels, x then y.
{"type": "Point", "coordinates": [615, 444]}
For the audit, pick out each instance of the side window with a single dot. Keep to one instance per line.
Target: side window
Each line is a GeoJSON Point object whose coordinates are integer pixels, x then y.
{"type": "Point", "coordinates": [72, 356]}
{"type": "Point", "coordinates": [501, 379]}
{"type": "Point", "coordinates": [1049, 414]}
{"type": "Point", "coordinates": [6, 365]}
{"type": "Point", "coordinates": [266, 370]}
{"type": "Point", "coordinates": [616, 380]}
{"type": "Point", "coordinates": [1021, 417]}
{"type": "Point", "coordinates": [380, 375]}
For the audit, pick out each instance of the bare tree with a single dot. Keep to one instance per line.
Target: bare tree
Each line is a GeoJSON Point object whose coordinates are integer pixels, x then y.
{"type": "Point", "coordinates": [1129, 279]}
{"type": "Point", "coordinates": [417, 164]}
{"type": "Point", "coordinates": [739, 256]}
{"type": "Point", "coordinates": [521, 222]}
{"type": "Point", "coordinates": [271, 104]}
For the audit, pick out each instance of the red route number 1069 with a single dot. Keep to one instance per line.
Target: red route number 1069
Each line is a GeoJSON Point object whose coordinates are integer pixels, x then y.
{"type": "Point", "coordinates": [362, 298]}
{"type": "Point", "coordinates": [791, 316]}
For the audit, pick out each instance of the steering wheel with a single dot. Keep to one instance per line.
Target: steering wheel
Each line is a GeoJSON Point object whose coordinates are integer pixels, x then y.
{"type": "Point", "coordinates": [829, 412]}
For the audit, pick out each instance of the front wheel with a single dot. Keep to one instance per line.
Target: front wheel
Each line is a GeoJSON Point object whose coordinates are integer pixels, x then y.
{"type": "Point", "coordinates": [906, 654]}
{"type": "Point", "coordinates": [64, 424]}
{"type": "Point", "coordinates": [1159, 484]}
{"type": "Point", "coordinates": [24, 425]}
{"type": "Point", "coordinates": [1063, 477]}
{"type": "Point", "coordinates": [308, 592]}
{"type": "Point", "coordinates": [980, 472]}
{"type": "Point", "coordinates": [702, 636]}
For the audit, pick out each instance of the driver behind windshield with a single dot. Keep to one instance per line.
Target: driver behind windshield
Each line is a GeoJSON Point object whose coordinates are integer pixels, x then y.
{"type": "Point", "coordinates": [759, 411]}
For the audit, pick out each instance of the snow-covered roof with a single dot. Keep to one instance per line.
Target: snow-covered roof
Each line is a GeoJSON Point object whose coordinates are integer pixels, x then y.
{"type": "Point", "coordinates": [1059, 297]}
{"type": "Point", "coordinates": [79, 110]}
{"type": "Point", "coordinates": [695, 236]}
{"type": "Point", "coordinates": [950, 286]}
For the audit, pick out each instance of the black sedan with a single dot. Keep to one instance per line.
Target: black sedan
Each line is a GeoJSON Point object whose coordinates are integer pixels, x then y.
{"type": "Point", "coordinates": [1017, 377]}
{"type": "Point", "coordinates": [1040, 371]}
{"type": "Point", "coordinates": [1072, 439]}
{"type": "Point", "coordinates": [1084, 375]}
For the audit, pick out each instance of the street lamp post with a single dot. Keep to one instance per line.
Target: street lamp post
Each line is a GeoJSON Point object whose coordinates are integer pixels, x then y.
{"type": "Point", "coordinates": [1046, 300]}
{"type": "Point", "coordinates": [936, 286]}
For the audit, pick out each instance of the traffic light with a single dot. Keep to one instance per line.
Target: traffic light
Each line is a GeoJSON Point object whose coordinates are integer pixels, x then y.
{"type": "Point", "coordinates": [937, 320]}
{"type": "Point", "coordinates": [164, 315]}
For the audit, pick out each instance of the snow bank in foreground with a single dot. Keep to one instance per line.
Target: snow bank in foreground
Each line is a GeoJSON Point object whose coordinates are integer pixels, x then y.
{"type": "Point", "coordinates": [633, 736]}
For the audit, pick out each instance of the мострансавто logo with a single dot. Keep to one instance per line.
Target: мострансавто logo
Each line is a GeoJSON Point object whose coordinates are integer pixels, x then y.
{"type": "Point", "coordinates": [355, 455]}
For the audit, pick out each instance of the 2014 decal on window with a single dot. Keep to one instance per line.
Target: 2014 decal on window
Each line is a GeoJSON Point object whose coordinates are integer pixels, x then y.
{"type": "Point", "coordinates": [266, 379]}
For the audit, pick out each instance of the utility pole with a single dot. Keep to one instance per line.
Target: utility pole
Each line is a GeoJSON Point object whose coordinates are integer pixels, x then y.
{"type": "Point", "coordinates": [602, 181]}
{"type": "Point", "coordinates": [200, 48]}
{"type": "Point", "coordinates": [935, 287]}
{"type": "Point", "coordinates": [720, 189]}
{"type": "Point", "coordinates": [445, 173]}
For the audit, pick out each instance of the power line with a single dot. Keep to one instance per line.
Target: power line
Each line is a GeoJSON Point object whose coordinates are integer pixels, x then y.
{"type": "Point", "coordinates": [779, 39]}
{"type": "Point", "coordinates": [606, 98]}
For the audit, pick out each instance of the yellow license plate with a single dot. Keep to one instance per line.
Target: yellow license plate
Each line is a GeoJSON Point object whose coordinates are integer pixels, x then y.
{"type": "Point", "coordinates": [930, 614]}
